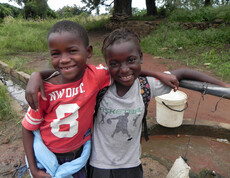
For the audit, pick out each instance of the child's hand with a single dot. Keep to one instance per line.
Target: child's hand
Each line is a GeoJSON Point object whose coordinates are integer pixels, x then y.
{"type": "Point", "coordinates": [34, 85]}
{"type": "Point", "coordinates": [170, 80]}
{"type": "Point", "coordinates": [40, 174]}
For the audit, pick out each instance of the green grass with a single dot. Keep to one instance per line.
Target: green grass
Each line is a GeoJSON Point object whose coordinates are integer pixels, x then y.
{"type": "Point", "coordinates": [6, 112]}
{"type": "Point", "coordinates": [204, 14]}
{"type": "Point", "coordinates": [192, 47]}
{"type": "Point", "coordinates": [21, 37]}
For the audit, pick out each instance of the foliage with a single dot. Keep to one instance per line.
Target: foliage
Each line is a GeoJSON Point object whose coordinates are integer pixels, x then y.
{"type": "Point", "coordinates": [193, 47]}
{"type": "Point", "coordinates": [205, 14]}
{"type": "Point", "coordinates": [139, 13]}
{"type": "Point", "coordinates": [6, 112]}
{"type": "Point", "coordinates": [20, 37]}
{"type": "Point", "coordinates": [18, 63]}
{"type": "Point", "coordinates": [35, 9]}
{"type": "Point", "coordinates": [8, 10]}
{"type": "Point", "coordinates": [51, 13]}
{"type": "Point", "coordinates": [95, 4]}
{"type": "Point", "coordinates": [171, 5]}
{"type": "Point", "coordinates": [218, 61]}
{"type": "Point", "coordinates": [68, 11]}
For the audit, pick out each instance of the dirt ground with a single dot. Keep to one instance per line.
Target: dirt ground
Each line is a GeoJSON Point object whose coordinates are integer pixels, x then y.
{"type": "Point", "coordinates": [11, 149]}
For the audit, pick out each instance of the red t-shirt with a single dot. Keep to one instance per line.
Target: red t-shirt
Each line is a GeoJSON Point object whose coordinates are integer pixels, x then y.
{"type": "Point", "coordinates": [67, 115]}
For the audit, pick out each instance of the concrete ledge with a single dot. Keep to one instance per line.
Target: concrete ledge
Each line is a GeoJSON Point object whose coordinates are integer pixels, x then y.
{"type": "Point", "coordinates": [23, 77]}
{"type": "Point", "coordinates": [201, 128]}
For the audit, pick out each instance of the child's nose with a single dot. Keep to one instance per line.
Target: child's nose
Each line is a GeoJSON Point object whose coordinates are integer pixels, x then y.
{"type": "Point", "coordinates": [124, 68]}
{"type": "Point", "coordinates": [65, 58]}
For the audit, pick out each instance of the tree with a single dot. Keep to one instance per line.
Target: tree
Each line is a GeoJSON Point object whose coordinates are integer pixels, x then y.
{"type": "Point", "coordinates": [207, 3]}
{"type": "Point", "coordinates": [34, 8]}
{"type": "Point", "coordinates": [68, 11]}
{"type": "Point", "coordinates": [8, 10]}
{"type": "Point", "coordinates": [4, 11]}
{"type": "Point", "coordinates": [123, 7]}
{"type": "Point", "coordinates": [120, 6]}
{"type": "Point", "coordinates": [151, 7]}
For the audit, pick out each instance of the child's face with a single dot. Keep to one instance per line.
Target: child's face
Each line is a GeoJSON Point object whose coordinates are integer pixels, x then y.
{"type": "Point", "coordinates": [68, 55]}
{"type": "Point", "coordinates": [124, 62]}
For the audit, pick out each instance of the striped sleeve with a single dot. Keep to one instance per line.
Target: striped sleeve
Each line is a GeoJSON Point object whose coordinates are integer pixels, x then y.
{"type": "Point", "coordinates": [32, 119]}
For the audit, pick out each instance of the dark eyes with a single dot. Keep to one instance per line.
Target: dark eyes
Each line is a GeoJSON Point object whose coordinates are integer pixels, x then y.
{"type": "Point", "coordinates": [73, 51]}
{"type": "Point", "coordinates": [132, 60]}
{"type": "Point", "coordinates": [128, 61]}
{"type": "Point", "coordinates": [55, 54]}
{"type": "Point", "coordinates": [114, 64]}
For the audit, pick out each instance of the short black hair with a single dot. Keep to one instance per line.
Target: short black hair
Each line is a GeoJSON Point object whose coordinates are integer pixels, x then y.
{"type": "Point", "coordinates": [120, 35]}
{"type": "Point", "coordinates": [71, 27]}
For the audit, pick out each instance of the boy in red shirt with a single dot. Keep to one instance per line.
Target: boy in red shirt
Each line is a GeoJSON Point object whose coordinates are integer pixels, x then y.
{"type": "Point", "coordinates": [65, 118]}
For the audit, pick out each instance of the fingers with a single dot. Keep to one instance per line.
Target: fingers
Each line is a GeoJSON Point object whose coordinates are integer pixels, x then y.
{"type": "Point", "coordinates": [30, 99]}
{"type": "Point", "coordinates": [173, 86]}
{"type": "Point", "coordinates": [34, 84]}
{"type": "Point", "coordinates": [34, 102]}
{"type": "Point", "coordinates": [42, 90]}
{"type": "Point", "coordinates": [176, 84]}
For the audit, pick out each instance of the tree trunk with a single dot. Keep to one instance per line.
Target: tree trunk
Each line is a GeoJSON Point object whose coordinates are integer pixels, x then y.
{"type": "Point", "coordinates": [207, 3]}
{"type": "Point", "coordinates": [123, 7]}
{"type": "Point", "coordinates": [151, 7]}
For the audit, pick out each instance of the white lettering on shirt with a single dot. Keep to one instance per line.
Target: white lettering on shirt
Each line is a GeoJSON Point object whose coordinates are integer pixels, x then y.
{"type": "Point", "coordinates": [67, 92]}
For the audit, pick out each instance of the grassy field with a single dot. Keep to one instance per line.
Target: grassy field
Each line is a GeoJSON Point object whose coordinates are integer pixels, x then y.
{"type": "Point", "coordinates": [23, 39]}
{"type": "Point", "coordinates": [193, 47]}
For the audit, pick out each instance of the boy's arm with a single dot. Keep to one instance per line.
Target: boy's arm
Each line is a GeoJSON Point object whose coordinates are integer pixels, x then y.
{"type": "Point", "coordinates": [28, 138]}
{"type": "Point", "coordinates": [34, 85]}
{"type": "Point", "coordinates": [189, 74]}
{"type": "Point", "coordinates": [167, 79]}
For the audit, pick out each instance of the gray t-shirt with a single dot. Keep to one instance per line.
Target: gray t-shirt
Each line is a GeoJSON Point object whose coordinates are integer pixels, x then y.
{"type": "Point", "coordinates": [118, 126]}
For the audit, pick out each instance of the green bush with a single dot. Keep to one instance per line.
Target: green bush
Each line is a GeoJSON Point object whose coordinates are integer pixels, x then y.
{"type": "Point", "coordinates": [8, 10]}
{"type": "Point", "coordinates": [205, 14]}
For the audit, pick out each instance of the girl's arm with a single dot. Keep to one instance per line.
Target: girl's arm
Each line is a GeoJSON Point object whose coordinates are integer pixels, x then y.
{"type": "Point", "coordinates": [189, 74]}
{"type": "Point", "coordinates": [28, 138]}
{"type": "Point", "coordinates": [167, 79]}
{"type": "Point", "coordinates": [34, 85]}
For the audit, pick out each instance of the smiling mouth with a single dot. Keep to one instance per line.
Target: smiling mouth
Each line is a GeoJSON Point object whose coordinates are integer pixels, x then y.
{"type": "Point", "coordinates": [126, 78]}
{"type": "Point", "coordinates": [67, 68]}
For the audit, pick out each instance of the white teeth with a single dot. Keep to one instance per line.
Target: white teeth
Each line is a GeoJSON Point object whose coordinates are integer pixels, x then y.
{"type": "Point", "coordinates": [66, 68]}
{"type": "Point", "coordinates": [126, 78]}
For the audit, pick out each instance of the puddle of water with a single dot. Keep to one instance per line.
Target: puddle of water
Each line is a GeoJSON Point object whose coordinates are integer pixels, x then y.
{"type": "Point", "coordinates": [15, 88]}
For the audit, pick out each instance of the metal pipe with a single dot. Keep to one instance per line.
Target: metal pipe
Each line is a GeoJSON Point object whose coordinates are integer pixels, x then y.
{"type": "Point", "coordinates": [206, 88]}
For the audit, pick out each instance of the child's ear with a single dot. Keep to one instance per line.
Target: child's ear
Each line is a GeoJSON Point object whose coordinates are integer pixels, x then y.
{"type": "Point", "coordinates": [141, 55]}
{"type": "Point", "coordinates": [90, 51]}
